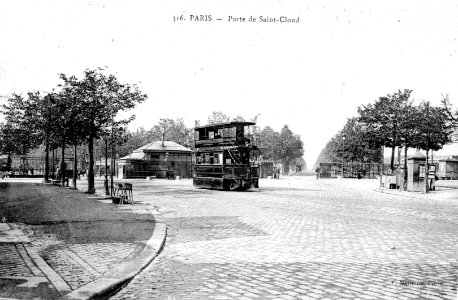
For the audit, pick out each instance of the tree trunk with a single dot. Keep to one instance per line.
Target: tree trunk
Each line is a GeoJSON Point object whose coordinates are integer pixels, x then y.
{"type": "Point", "coordinates": [105, 183]}
{"type": "Point", "coordinates": [285, 167]}
{"type": "Point", "coordinates": [90, 171]}
{"type": "Point", "coordinates": [113, 165]}
{"type": "Point", "coordinates": [392, 158]}
{"type": "Point", "coordinates": [75, 167]}
{"type": "Point", "coordinates": [46, 175]}
{"type": "Point", "coordinates": [53, 164]}
{"type": "Point", "coordinates": [62, 172]}
{"type": "Point", "coordinates": [100, 162]}
{"type": "Point", "coordinates": [426, 172]}
{"type": "Point", "coordinates": [405, 168]}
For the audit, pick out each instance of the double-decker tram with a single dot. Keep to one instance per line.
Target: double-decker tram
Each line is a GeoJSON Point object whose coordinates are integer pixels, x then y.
{"type": "Point", "coordinates": [225, 157]}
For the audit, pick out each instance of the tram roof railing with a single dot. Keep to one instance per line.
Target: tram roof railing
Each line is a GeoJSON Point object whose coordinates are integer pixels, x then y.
{"type": "Point", "coordinates": [227, 124]}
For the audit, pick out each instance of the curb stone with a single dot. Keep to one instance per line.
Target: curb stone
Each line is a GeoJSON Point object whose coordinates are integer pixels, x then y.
{"type": "Point", "coordinates": [113, 279]}
{"type": "Point", "coordinates": [57, 281]}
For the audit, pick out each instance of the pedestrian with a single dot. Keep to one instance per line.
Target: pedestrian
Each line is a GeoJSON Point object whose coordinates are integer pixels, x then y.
{"type": "Point", "coordinates": [317, 170]}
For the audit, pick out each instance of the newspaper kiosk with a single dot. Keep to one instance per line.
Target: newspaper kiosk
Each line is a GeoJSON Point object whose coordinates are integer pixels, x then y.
{"type": "Point", "coordinates": [416, 165]}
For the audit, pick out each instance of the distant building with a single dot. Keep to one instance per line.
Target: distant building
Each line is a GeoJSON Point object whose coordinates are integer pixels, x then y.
{"type": "Point", "coordinates": [34, 165]}
{"type": "Point", "coordinates": [297, 166]}
{"type": "Point", "coordinates": [448, 168]}
{"type": "Point", "coordinates": [266, 169]}
{"type": "Point", "coordinates": [156, 159]}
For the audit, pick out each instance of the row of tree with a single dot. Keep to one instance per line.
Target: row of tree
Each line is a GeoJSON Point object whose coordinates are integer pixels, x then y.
{"type": "Point", "coordinates": [78, 112]}
{"type": "Point", "coordinates": [279, 147]}
{"type": "Point", "coordinates": [393, 121]}
{"type": "Point", "coordinates": [84, 113]}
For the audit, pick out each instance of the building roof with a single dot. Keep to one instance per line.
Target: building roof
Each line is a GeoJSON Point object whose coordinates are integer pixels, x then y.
{"type": "Point", "coordinates": [417, 155]}
{"type": "Point", "coordinates": [168, 146]}
{"type": "Point", "coordinates": [135, 155]}
{"type": "Point", "coordinates": [449, 159]}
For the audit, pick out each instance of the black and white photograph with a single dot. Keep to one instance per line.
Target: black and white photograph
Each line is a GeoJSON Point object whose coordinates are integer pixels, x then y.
{"type": "Point", "coordinates": [228, 149]}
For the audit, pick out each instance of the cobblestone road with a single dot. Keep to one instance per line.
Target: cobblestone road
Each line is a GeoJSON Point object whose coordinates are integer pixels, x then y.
{"type": "Point", "coordinates": [300, 239]}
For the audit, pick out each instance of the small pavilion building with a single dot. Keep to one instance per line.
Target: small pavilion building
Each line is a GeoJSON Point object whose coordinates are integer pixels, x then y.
{"type": "Point", "coordinates": [156, 159]}
{"type": "Point", "coordinates": [448, 168]}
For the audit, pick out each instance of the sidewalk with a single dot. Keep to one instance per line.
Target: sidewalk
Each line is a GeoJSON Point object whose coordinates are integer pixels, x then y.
{"type": "Point", "coordinates": [58, 243]}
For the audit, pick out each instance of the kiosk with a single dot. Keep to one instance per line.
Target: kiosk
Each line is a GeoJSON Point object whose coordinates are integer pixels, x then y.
{"type": "Point", "coordinates": [416, 172]}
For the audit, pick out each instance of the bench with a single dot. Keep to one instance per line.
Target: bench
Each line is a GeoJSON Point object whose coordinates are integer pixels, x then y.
{"type": "Point", "coordinates": [124, 192]}
{"type": "Point", "coordinates": [58, 181]}
{"type": "Point", "coordinates": [170, 174]}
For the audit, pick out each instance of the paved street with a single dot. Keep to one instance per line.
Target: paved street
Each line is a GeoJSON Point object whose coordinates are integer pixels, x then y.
{"type": "Point", "coordinates": [301, 238]}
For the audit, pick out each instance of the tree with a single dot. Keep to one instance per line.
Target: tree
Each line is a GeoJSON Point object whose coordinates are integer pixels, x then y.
{"type": "Point", "coordinates": [357, 144]}
{"type": "Point", "coordinates": [217, 117]}
{"type": "Point", "coordinates": [9, 137]}
{"type": "Point", "coordinates": [433, 131]}
{"type": "Point", "coordinates": [33, 121]}
{"type": "Point", "coordinates": [19, 132]}
{"type": "Point", "coordinates": [408, 132]}
{"type": "Point", "coordinates": [62, 104]}
{"type": "Point", "coordinates": [382, 120]}
{"type": "Point", "coordinates": [135, 140]}
{"type": "Point", "coordinates": [323, 157]}
{"type": "Point", "coordinates": [74, 127]}
{"type": "Point", "coordinates": [452, 116]}
{"type": "Point", "coordinates": [290, 147]}
{"type": "Point", "coordinates": [351, 143]}
{"type": "Point", "coordinates": [174, 130]}
{"type": "Point", "coordinates": [102, 97]}
{"type": "Point", "coordinates": [267, 141]}
{"type": "Point", "coordinates": [238, 119]}
{"type": "Point", "coordinates": [44, 120]}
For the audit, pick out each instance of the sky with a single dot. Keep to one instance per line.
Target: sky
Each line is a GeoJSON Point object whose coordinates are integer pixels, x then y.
{"type": "Point", "coordinates": [311, 75]}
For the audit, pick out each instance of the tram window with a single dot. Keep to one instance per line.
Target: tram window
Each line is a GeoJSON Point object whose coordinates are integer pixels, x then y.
{"type": "Point", "coordinates": [218, 158]}
{"type": "Point", "coordinates": [196, 135]}
{"type": "Point", "coordinates": [232, 131]}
